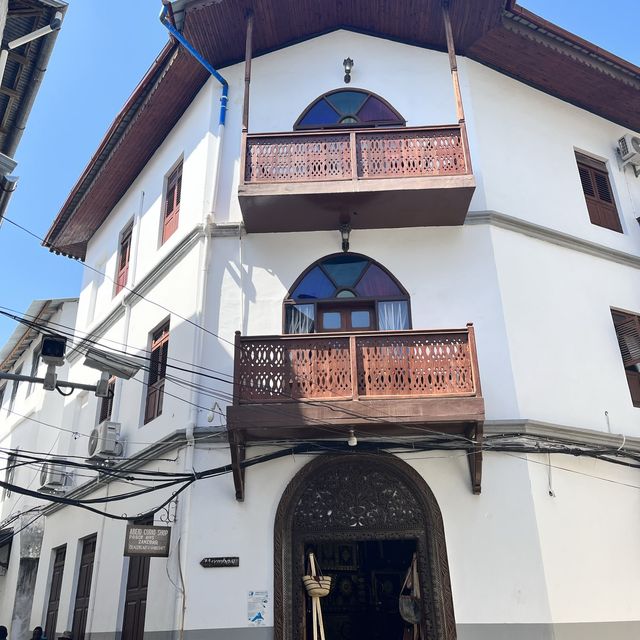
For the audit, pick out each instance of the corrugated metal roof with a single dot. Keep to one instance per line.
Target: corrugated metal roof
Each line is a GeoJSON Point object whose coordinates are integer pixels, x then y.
{"type": "Point", "coordinates": [24, 65]}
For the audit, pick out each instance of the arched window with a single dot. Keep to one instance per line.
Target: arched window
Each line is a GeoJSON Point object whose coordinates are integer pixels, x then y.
{"type": "Point", "coordinates": [348, 108]}
{"type": "Point", "coordinates": [346, 292]}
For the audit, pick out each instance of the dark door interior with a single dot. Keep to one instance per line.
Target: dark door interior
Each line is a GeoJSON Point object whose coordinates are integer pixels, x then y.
{"type": "Point", "coordinates": [54, 592]}
{"type": "Point", "coordinates": [367, 578]}
{"type": "Point", "coordinates": [83, 590]}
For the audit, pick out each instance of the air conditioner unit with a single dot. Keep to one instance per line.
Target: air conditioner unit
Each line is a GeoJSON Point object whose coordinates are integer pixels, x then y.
{"type": "Point", "coordinates": [53, 477]}
{"type": "Point", "coordinates": [629, 150]}
{"type": "Point", "coordinates": [104, 441]}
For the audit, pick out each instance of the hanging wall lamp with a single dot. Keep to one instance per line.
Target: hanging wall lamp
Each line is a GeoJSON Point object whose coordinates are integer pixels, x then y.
{"type": "Point", "coordinates": [347, 63]}
{"type": "Point", "coordinates": [345, 231]}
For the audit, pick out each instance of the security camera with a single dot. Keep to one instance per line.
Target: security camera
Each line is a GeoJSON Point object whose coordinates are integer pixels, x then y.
{"type": "Point", "coordinates": [56, 23]}
{"type": "Point", "coordinates": [117, 365]}
{"type": "Point", "coordinates": [52, 350]}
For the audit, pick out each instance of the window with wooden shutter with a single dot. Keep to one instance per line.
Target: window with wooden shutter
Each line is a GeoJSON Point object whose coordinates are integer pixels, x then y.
{"type": "Point", "coordinates": [106, 404]}
{"type": "Point", "coordinates": [124, 254]}
{"type": "Point", "coordinates": [628, 332]}
{"type": "Point", "coordinates": [14, 390]}
{"type": "Point", "coordinates": [172, 203]}
{"type": "Point", "coordinates": [157, 372]}
{"type": "Point", "coordinates": [35, 362]}
{"type": "Point", "coordinates": [598, 193]}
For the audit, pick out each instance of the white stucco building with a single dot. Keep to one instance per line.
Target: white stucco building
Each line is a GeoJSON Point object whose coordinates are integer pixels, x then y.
{"type": "Point", "coordinates": [477, 335]}
{"type": "Point", "coordinates": [32, 422]}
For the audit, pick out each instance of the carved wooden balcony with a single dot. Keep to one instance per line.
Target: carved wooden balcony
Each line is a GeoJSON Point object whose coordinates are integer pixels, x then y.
{"type": "Point", "coordinates": [380, 178]}
{"type": "Point", "coordinates": [384, 384]}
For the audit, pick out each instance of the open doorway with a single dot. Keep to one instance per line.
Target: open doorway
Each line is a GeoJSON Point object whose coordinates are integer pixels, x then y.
{"type": "Point", "coordinates": [367, 579]}
{"type": "Point", "coordinates": [375, 511]}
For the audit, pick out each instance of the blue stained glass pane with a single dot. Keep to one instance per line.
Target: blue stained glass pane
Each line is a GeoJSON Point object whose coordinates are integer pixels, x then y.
{"type": "Point", "coordinates": [376, 283]}
{"type": "Point", "coordinates": [320, 114]}
{"type": "Point", "coordinates": [347, 102]}
{"type": "Point", "coordinates": [345, 269]}
{"type": "Point", "coordinates": [374, 110]}
{"type": "Point", "coordinates": [314, 286]}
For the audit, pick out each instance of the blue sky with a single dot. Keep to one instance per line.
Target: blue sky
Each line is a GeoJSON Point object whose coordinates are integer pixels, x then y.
{"type": "Point", "coordinates": [101, 54]}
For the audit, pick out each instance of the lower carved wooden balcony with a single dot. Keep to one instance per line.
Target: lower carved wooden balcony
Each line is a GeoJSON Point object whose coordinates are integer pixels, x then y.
{"type": "Point", "coordinates": [380, 178]}
{"type": "Point", "coordinates": [413, 384]}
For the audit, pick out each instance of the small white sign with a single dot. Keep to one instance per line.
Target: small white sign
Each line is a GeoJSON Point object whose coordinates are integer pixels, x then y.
{"type": "Point", "coordinates": [257, 602]}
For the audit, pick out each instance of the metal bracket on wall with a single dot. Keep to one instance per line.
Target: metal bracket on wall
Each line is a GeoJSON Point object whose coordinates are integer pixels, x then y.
{"type": "Point", "coordinates": [169, 513]}
{"type": "Point", "coordinates": [238, 454]}
{"type": "Point", "coordinates": [474, 456]}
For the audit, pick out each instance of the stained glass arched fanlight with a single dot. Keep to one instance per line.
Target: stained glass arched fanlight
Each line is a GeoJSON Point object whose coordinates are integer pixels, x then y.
{"type": "Point", "coordinates": [346, 292]}
{"type": "Point", "coordinates": [349, 108]}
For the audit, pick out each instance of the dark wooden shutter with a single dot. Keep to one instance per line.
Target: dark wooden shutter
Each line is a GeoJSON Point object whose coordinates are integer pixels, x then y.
{"type": "Point", "coordinates": [628, 332]}
{"type": "Point", "coordinates": [106, 405]}
{"type": "Point", "coordinates": [83, 589]}
{"type": "Point", "coordinates": [157, 373]}
{"type": "Point", "coordinates": [54, 592]}
{"type": "Point", "coordinates": [124, 255]}
{"type": "Point", "coordinates": [598, 193]}
{"type": "Point", "coordinates": [172, 203]}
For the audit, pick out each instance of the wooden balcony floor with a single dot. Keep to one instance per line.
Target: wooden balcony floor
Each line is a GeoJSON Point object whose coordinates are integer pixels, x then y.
{"type": "Point", "coordinates": [380, 178]}
{"type": "Point", "coordinates": [371, 204]}
{"type": "Point", "coordinates": [409, 384]}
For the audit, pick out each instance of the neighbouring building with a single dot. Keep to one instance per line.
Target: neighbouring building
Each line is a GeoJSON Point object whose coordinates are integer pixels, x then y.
{"type": "Point", "coordinates": [379, 266]}
{"type": "Point", "coordinates": [29, 30]}
{"type": "Point", "coordinates": [31, 421]}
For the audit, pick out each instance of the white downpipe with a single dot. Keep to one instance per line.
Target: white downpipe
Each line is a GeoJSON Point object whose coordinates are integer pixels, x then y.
{"type": "Point", "coordinates": [201, 301]}
{"type": "Point", "coordinates": [131, 283]}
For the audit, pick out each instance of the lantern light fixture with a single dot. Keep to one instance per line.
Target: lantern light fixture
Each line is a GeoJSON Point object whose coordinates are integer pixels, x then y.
{"type": "Point", "coordinates": [345, 231]}
{"type": "Point", "coordinates": [347, 63]}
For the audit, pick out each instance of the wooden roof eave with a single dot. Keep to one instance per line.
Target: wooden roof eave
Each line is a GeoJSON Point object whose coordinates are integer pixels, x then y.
{"type": "Point", "coordinates": [90, 173]}
{"type": "Point", "coordinates": [104, 182]}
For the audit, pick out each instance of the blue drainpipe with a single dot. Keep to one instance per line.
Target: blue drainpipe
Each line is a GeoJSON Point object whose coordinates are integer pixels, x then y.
{"type": "Point", "coordinates": [224, 98]}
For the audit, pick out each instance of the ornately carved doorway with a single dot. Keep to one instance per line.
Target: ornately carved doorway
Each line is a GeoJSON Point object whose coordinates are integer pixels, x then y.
{"type": "Point", "coordinates": [368, 502]}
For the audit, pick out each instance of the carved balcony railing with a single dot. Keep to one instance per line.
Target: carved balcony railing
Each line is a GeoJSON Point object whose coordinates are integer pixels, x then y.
{"type": "Point", "coordinates": [427, 169]}
{"type": "Point", "coordinates": [382, 365]}
{"type": "Point", "coordinates": [355, 155]}
{"type": "Point", "coordinates": [383, 384]}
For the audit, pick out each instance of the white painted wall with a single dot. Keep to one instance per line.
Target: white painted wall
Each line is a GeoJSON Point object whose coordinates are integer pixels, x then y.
{"type": "Point", "coordinates": [546, 345]}
{"type": "Point", "coordinates": [523, 145]}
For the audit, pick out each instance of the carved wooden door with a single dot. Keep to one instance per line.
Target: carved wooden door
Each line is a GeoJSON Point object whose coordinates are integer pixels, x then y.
{"type": "Point", "coordinates": [136, 598]}
{"type": "Point", "coordinates": [83, 589]}
{"type": "Point", "coordinates": [54, 592]}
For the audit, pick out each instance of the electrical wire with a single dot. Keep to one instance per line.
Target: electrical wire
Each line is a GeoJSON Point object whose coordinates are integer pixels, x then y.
{"type": "Point", "coordinates": [328, 427]}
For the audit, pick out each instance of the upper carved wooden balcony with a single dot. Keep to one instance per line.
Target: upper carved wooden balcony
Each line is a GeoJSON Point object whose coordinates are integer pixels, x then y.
{"type": "Point", "coordinates": [388, 384]}
{"type": "Point", "coordinates": [379, 178]}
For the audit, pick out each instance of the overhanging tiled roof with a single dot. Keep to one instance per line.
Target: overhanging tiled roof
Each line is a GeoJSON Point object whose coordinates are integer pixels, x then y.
{"type": "Point", "coordinates": [497, 33]}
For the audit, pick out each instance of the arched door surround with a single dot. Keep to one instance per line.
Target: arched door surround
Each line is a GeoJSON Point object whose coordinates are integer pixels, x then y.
{"type": "Point", "coordinates": [356, 497]}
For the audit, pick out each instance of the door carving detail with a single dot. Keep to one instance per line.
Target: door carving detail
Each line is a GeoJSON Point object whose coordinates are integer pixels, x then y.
{"type": "Point", "coordinates": [355, 497]}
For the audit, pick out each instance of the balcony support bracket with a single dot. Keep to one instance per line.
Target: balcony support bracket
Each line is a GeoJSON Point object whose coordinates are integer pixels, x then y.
{"type": "Point", "coordinates": [238, 454]}
{"type": "Point", "coordinates": [474, 432]}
